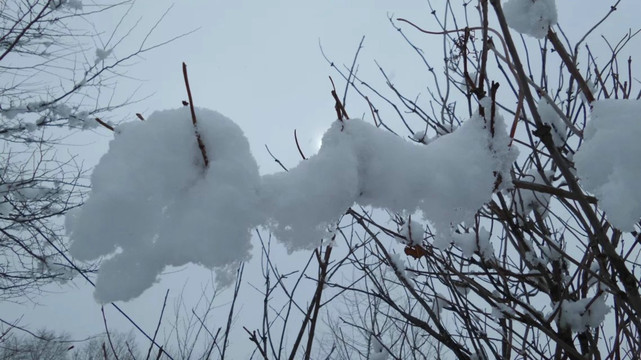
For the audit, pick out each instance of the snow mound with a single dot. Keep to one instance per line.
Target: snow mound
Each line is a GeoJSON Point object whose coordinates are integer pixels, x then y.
{"type": "Point", "coordinates": [531, 17]}
{"type": "Point", "coordinates": [304, 202]}
{"type": "Point", "coordinates": [155, 204]}
{"type": "Point", "coordinates": [608, 161]}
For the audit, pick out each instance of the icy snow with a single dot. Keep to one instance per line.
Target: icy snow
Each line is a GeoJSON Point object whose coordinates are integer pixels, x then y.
{"type": "Point", "coordinates": [530, 17]}
{"type": "Point", "coordinates": [154, 203]}
{"type": "Point", "coordinates": [398, 264]}
{"type": "Point", "coordinates": [608, 161]}
{"type": "Point", "coordinates": [438, 304]}
{"type": "Point", "coordinates": [529, 200]}
{"type": "Point", "coordinates": [74, 4]}
{"type": "Point", "coordinates": [470, 243]}
{"type": "Point", "coordinates": [377, 351]}
{"type": "Point", "coordinates": [411, 232]}
{"type": "Point", "coordinates": [552, 119]}
{"type": "Point", "coordinates": [70, 4]}
{"type": "Point", "coordinates": [501, 311]}
{"type": "Point", "coordinates": [583, 313]}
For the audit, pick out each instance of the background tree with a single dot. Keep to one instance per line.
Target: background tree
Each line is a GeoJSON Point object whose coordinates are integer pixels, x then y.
{"type": "Point", "coordinates": [44, 344]}
{"type": "Point", "coordinates": [49, 345]}
{"type": "Point", "coordinates": [58, 76]}
{"type": "Point", "coordinates": [116, 346]}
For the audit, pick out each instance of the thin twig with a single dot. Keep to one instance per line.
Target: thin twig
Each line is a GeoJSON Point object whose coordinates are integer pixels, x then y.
{"type": "Point", "coordinates": [340, 110]}
{"type": "Point", "coordinates": [254, 339]}
{"type": "Point", "coordinates": [105, 124]}
{"type": "Point", "coordinates": [322, 280]}
{"type": "Point", "coordinates": [201, 145]}
{"type": "Point", "coordinates": [162, 311]}
{"type": "Point", "coordinates": [517, 116]}
{"type": "Point", "coordinates": [505, 50]}
{"type": "Point", "coordinates": [314, 306]}
{"type": "Point", "coordinates": [111, 344]}
{"type": "Point", "coordinates": [542, 93]}
{"type": "Point", "coordinates": [300, 151]}
{"type": "Point", "coordinates": [239, 278]}
{"type": "Point", "coordinates": [570, 65]}
{"type": "Point", "coordinates": [275, 158]}
{"type": "Point", "coordinates": [374, 111]}
{"type": "Point", "coordinates": [613, 8]}
{"type": "Point", "coordinates": [351, 69]}
{"type": "Point", "coordinates": [520, 184]}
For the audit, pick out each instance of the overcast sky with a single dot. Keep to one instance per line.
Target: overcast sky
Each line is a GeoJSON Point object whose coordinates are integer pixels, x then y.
{"type": "Point", "coordinates": [259, 63]}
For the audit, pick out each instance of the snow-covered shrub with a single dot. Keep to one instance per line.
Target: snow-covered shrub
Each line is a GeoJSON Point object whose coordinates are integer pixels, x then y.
{"type": "Point", "coordinates": [490, 240]}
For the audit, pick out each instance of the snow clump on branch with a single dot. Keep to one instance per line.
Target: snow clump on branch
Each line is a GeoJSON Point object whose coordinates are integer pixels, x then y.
{"type": "Point", "coordinates": [584, 313]}
{"type": "Point", "coordinates": [608, 162]}
{"type": "Point", "coordinates": [531, 17]}
{"type": "Point", "coordinates": [155, 204]}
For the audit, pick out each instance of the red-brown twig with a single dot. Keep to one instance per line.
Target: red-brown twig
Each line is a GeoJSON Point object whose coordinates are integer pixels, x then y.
{"type": "Point", "coordinates": [486, 46]}
{"type": "Point", "coordinates": [105, 124]}
{"type": "Point", "coordinates": [493, 89]}
{"type": "Point", "coordinates": [201, 145]}
{"type": "Point", "coordinates": [340, 109]}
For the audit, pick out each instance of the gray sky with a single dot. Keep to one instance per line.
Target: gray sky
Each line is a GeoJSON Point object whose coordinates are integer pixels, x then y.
{"type": "Point", "coordinates": [259, 63]}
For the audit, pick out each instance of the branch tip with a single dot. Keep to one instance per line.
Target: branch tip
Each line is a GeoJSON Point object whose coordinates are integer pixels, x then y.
{"type": "Point", "coordinates": [201, 144]}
